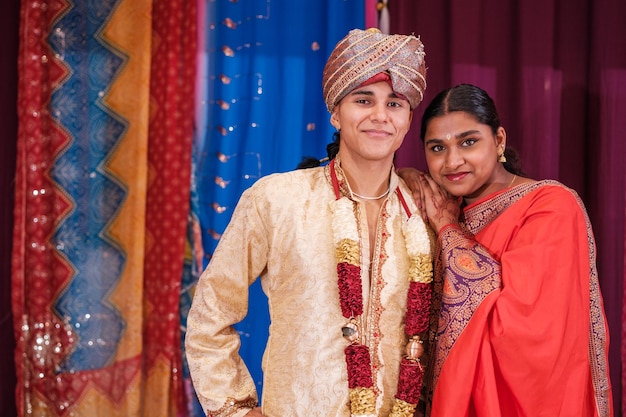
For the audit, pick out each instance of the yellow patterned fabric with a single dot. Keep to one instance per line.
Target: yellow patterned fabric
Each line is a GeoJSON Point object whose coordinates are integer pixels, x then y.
{"type": "Point", "coordinates": [362, 54]}
{"type": "Point", "coordinates": [277, 232]}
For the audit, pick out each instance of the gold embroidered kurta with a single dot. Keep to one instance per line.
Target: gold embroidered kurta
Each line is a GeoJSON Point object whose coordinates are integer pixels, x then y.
{"type": "Point", "coordinates": [281, 232]}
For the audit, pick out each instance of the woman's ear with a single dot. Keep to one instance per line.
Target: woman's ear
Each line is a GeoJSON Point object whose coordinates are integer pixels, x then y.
{"type": "Point", "coordinates": [501, 138]}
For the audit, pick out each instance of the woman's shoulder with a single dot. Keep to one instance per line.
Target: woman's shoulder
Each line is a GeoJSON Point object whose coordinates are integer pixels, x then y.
{"type": "Point", "coordinates": [550, 187]}
{"type": "Point", "coordinates": [543, 193]}
{"type": "Point", "coordinates": [546, 199]}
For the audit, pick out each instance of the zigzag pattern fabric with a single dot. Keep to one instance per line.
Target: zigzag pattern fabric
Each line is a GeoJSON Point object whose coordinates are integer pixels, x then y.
{"type": "Point", "coordinates": [98, 254]}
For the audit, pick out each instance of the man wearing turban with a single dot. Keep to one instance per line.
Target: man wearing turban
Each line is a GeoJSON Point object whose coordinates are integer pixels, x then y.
{"type": "Point", "coordinates": [343, 257]}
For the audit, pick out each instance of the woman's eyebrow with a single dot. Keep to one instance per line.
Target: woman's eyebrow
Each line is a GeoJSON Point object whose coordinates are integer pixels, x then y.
{"type": "Point", "coordinates": [466, 133]}
{"type": "Point", "coordinates": [457, 136]}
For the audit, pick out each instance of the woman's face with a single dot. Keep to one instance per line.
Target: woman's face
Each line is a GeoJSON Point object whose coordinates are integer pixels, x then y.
{"type": "Point", "coordinates": [373, 121]}
{"type": "Point", "coordinates": [462, 155]}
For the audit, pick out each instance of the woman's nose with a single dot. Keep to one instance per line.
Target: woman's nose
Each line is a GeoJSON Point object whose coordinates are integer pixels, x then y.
{"type": "Point", "coordinates": [453, 158]}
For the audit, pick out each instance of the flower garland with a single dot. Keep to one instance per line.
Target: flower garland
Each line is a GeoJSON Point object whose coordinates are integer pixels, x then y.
{"type": "Point", "coordinates": [348, 254]}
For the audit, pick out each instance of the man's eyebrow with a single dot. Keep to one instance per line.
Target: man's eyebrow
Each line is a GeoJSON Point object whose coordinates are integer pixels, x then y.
{"type": "Point", "coordinates": [366, 92]}
{"type": "Point", "coordinates": [362, 92]}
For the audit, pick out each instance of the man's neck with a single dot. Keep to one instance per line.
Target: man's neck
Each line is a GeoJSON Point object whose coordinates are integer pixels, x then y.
{"type": "Point", "coordinates": [367, 178]}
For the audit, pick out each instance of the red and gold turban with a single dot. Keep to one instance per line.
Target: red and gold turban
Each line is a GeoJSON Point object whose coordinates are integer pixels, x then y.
{"type": "Point", "coordinates": [362, 54]}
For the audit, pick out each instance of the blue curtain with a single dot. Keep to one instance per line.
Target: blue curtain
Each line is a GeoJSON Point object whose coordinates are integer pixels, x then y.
{"type": "Point", "coordinates": [260, 111]}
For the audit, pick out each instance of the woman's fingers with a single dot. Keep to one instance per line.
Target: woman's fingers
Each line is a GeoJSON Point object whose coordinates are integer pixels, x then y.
{"type": "Point", "coordinates": [441, 207]}
{"type": "Point", "coordinates": [413, 179]}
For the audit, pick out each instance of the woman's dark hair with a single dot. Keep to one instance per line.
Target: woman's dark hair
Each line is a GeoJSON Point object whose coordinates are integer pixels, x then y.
{"type": "Point", "coordinates": [476, 102]}
{"type": "Point", "coordinates": [331, 150]}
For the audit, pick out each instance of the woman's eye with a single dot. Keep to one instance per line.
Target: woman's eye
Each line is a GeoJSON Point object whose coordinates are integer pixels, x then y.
{"type": "Point", "coordinates": [469, 142]}
{"type": "Point", "coordinates": [436, 148]}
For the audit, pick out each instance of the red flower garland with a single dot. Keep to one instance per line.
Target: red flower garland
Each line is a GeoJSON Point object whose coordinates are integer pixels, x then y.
{"type": "Point", "coordinates": [415, 322]}
{"type": "Point", "coordinates": [359, 366]}
{"type": "Point", "coordinates": [418, 301]}
{"type": "Point", "coordinates": [350, 296]}
{"type": "Point", "coordinates": [410, 381]}
{"type": "Point", "coordinates": [419, 295]}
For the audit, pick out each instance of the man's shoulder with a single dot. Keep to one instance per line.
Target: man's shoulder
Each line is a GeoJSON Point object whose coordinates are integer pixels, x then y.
{"type": "Point", "coordinates": [289, 183]}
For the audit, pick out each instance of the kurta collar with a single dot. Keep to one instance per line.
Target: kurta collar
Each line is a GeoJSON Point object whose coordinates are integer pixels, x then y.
{"type": "Point", "coordinates": [344, 187]}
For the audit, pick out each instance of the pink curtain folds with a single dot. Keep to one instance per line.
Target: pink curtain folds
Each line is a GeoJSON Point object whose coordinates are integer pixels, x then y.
{"type": "Point", "coordinates": [9, 22]}
{"type": "Point", "coordinates": [557, 72]}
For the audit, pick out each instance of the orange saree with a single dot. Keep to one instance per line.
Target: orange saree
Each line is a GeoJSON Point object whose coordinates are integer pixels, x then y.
{"type": "Point", "coordinates": [521, 326]}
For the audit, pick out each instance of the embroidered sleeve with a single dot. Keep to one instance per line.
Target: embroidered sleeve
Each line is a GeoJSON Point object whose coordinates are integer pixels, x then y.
{"type": "Point", "coordinates": [468, 264]}
{"type": "Point", "coordinates": [470, 273]}
{"type": "Point", "coordinates": [233, 408]}
{"type": "Point", "coordinates": [220, 377]}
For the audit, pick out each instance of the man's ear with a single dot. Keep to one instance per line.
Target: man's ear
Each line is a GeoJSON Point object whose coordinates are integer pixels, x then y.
{"type": "Point", "coordinates": [334, 119]}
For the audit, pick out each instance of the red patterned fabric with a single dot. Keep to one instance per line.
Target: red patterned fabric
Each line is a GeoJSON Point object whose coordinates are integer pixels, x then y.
{"type": "Point", "coordinates": [37, 272]}
{"type": "Point", "coordinates": [82, 207]}
{"type": "Point", "coordinates": [512, 278]}
{"type": "Point", "coordinates": [169, 157]}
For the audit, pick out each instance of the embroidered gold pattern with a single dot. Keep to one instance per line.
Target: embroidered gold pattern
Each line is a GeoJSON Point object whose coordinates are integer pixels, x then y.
{"type": "Point", "coordinates": [232, 406]}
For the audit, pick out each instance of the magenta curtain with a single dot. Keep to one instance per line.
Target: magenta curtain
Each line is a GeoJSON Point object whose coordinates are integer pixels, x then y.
{"type": "Point", "coordinates": [557, 71]}
{"type": "Point", "coordinates": [9, 22]}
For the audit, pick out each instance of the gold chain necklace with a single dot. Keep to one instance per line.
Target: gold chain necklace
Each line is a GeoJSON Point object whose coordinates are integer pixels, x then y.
{"type": "Point", "coordinates": [364, 197]}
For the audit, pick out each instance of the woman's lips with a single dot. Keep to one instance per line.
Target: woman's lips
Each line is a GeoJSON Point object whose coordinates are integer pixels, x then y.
{"type": "Point", "coordinates": [456, 177]}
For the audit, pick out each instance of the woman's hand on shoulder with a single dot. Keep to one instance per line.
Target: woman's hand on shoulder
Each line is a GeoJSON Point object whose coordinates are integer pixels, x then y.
{"type": "Point", "coordinates": [412, 178]}
{"type": "Point", "coordinates": [442, 208]}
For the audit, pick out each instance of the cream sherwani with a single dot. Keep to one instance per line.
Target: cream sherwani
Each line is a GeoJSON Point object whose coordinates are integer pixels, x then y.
{"type": "Point", "coordinates": [281, 232]}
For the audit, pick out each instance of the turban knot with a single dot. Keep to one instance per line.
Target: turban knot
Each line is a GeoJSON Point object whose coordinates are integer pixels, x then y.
{"type": "Point", "coordinates": [362, 54]}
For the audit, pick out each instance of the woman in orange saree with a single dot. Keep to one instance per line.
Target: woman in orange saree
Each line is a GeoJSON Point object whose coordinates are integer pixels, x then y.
{"type": "Point", "coordinates": [519, 327]}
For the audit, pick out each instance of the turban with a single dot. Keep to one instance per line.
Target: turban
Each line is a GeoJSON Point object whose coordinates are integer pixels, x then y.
{"type": "Point", "coordinates": [362, 54]}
